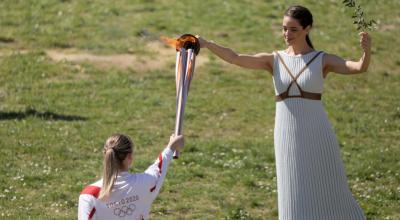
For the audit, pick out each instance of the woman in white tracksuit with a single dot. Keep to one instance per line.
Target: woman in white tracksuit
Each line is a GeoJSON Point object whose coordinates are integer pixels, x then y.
{"type": "Point", "coordinates": [120, 194]}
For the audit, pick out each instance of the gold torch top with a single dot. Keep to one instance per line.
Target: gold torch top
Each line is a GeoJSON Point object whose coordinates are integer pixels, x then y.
{"type": "Point", "coordinates": [186, 41]}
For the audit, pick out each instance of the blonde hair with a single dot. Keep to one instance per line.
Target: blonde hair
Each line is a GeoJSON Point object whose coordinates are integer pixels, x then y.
{"type": "Point", "coordinates": [116, 148]}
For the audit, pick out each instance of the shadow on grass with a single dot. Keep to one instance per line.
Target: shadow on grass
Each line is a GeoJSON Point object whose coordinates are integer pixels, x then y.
{"type": "Point", "coordinates": [42, 115]}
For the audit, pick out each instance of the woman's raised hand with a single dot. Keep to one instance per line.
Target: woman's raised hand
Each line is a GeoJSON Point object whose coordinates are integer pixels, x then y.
{"type": "Point", "coordinates": [365, 41]}
{"type": "Point", "coordinates": [176, 142]}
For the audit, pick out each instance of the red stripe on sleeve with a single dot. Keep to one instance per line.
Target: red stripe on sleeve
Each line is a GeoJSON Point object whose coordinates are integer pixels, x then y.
{"type": "Point", "coordinates": [92, 213]}
{"type": "Point", "coordinates": [91, 190]}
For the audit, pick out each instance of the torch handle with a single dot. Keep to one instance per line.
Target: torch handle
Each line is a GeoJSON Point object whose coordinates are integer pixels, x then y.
{"type": "Point", "coordinates": [180, 99]}
{"type": "Point", "coordinates": [184, 73]}
{"type": "Point", "coordinates": [180, 110]}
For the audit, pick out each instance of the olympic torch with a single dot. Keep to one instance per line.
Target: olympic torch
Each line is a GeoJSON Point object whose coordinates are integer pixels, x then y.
{"type": "Point", "coordinates": [187, 47]}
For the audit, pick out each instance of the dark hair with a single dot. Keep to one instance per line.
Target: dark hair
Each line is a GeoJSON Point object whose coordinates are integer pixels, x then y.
{"type": "Point", "coordinates": [303, 15]}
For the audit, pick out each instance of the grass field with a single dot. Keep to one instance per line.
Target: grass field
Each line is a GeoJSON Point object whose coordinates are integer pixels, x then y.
{"type": "Point", "coordinates": [55, 116]}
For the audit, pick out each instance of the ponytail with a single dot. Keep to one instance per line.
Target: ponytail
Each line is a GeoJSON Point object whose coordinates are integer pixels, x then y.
{"type": "Point", "coordinates": [110, 173]}
{"type": "Point", "coordinates": [309, 41]}
{"type": "Point", "coordinates": [115, 151]}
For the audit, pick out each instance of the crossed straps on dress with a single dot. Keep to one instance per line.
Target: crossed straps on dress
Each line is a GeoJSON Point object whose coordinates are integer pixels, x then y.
{"type": "Point", "coordinates": [303, 94]}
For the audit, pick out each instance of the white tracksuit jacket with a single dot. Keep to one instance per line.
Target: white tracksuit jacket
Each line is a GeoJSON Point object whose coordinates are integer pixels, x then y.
{"type": "Point", "coordinates": [131, 196]}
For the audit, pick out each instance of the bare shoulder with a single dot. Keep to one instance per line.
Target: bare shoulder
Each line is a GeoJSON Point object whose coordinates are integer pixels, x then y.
{"type": "Point", "coordinates": [328, 57]}
{"type": "Point", "coordinates": [333, 63]}
{"type": "Point", "coordinates": [268, 59]}
{"type": "Point", "coordinates": [326, 60]}
{"type": "Point", "coordinates": [331, 59]}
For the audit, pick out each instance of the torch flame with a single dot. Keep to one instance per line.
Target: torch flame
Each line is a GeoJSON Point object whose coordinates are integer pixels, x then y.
{"type": "Point", "coordinates": [169, 41]}
{"type": "Point", "coordinates": [185, 41]}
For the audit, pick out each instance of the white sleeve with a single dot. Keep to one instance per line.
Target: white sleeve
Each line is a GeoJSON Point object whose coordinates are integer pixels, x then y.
{"type": "Point", "coordinates": [158, 171]}
{"type": "Point", "coordinates": [85, 206]}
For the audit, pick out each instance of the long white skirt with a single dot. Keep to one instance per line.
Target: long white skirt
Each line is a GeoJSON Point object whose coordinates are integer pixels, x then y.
{"type": "Point", "coordinates": [310, 176]}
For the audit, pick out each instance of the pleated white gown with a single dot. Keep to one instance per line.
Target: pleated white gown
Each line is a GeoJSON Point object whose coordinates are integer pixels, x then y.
{"type": "Point", "coordinates": [310, 175]}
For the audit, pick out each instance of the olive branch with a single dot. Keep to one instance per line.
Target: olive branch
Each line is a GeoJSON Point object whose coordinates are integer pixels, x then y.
{"type": "Point", "coordinates": [358, 16]}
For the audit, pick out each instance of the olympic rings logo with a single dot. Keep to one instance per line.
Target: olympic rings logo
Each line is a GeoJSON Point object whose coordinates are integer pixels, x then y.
{"type": "Point", "coordinates": [124, 210]}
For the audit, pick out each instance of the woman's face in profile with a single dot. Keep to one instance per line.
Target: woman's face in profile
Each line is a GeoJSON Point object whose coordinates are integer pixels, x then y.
{"type": "Point", "coordinates": [292, 31]}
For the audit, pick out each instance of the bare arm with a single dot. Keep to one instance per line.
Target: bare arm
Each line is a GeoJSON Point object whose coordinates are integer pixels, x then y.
{"type": "Point", "coordinates": [258, 61]}
{"type": "Point", "coordinates": [333, 63]}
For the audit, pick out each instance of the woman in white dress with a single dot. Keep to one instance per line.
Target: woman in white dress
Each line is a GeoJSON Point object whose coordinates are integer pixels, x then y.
{"type": "Point", "coordinates": [310, 175]}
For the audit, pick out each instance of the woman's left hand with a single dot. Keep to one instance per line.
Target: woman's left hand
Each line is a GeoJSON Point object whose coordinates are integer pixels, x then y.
{"type": "Point", "coordinates": [365, 41]}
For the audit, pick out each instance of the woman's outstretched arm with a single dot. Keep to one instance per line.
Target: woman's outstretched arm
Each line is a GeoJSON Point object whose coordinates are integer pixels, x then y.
{"type": "Point", "coordinates": [333, 63]}
{"type": "Point", "coordinates": [258, 61]}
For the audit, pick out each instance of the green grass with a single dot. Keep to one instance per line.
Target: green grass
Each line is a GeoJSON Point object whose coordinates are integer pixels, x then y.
{"type": "Point", "coordinates": [54, 117]}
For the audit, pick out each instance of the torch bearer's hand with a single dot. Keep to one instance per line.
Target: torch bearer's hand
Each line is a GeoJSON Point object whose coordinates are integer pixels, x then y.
{"type": "Point", "coordinates": [365, 41]}
{"type": "Point", "coordinates": [176, 142]}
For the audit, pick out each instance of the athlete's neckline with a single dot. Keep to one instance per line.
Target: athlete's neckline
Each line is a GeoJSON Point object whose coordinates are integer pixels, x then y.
{"type": "Point", "coordinates": [298, 55]}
